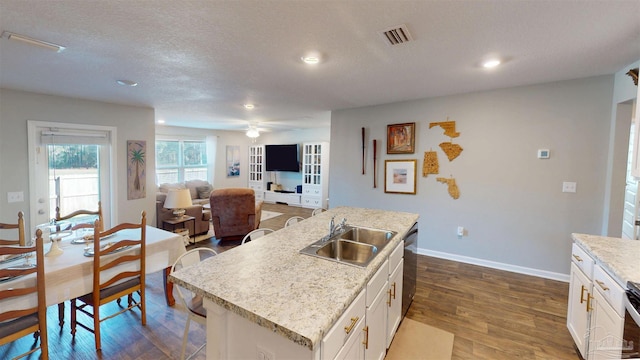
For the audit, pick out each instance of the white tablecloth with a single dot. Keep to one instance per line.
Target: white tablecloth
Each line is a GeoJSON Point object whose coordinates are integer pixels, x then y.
{"type": "Point", "coordinates": [70, 274]}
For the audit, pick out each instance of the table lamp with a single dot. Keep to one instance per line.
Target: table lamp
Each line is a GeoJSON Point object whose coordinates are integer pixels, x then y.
{"type": "Point", "coordinates": [178, 199]}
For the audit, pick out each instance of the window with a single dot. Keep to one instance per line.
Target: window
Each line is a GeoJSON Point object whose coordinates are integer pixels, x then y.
{"type": "Point", "coordinates": [180, 160]}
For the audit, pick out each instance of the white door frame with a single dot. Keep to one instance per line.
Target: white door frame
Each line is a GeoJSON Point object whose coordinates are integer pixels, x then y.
{"type": "Point", "coordinates": [108, 183]}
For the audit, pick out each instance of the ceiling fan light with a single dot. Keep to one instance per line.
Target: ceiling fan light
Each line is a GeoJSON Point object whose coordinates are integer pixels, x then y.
{"type": "Point", "coordinates": [253, 133]}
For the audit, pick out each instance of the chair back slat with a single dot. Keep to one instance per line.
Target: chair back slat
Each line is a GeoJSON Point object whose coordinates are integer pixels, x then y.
{"type": "Point", "coordinates": [19, 238]}
{"type": "Point", "coordinates": [76, 213]}
{"type": "Point", "coordinates": [14, 300]}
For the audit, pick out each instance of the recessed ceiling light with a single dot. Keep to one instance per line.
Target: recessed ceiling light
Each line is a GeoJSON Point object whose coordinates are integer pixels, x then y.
{"type": "Point", "coordinates": [489, 64]}
{"type": "Point", "coordinates": [160, 121]}
{"type": "Point", "coordinates": [311, 58]}
{"type": "Point", "coordinates": [249, 106]}
{"type": "Point", "coordinates": [126, 83]}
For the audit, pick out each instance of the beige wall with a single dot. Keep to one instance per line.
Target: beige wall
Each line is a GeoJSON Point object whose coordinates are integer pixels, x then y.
{"type": "Point", "coordinates": [511, 203]}
{"type": "Point", "coordinates": [132, 123]}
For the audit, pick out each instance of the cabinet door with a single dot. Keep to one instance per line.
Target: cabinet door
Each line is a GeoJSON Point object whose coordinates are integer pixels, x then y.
{"type": "Point", "coordinates": [353, 349]}
{"type": "Point", "coordinates": [376, 329]}
{"type": "Point", "coordinates": [577, 312]}
{"type": "Point", "coordinates": [394, 314]}
{"type": "Point", "coordinates": [605, 336]}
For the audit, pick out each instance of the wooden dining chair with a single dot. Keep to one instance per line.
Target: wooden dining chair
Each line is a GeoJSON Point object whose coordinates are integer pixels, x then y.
{"type": "Point", "coordinates": [257, 233]}
{"type": "Point", "coordinates": [317, 211]}
{"type": "Point", "coordinates": [292, 220]}
{"type": "Point", "coordinates": [191, 301]}
{"type": "Point", "coordinates": [23, 309]}
{"type": "Point", "coordinates": [19, 238]}
{"type": "Point", "coordinates": [117, 271]}
{"type": "Point", "coordinates": [76, 222]}
{"type": "Point", "coordinates": [76, 215]}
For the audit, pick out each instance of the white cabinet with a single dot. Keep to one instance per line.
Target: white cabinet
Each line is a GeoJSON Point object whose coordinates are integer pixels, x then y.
{"type": "Point", "coordinates": [635, 158]}
{"type": "Point", "coordinates": [595, 313]}
{"type": "Point", "coordinates": [394, 313]}
{"type": "Point", "coordinates": [376, 320]}
{"type": "Point", "coordinates": [256, 170]}
{"type": "Point", "coordinates": [344, 335]}
{"type": "Point", "coordinates": [315, 174]}
{"type": "Point", "coordinates": [577, 311]}
{"type": "Point", "coordinates": [607, 317]}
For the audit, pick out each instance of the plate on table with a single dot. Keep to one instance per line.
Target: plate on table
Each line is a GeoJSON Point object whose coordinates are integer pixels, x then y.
{"type": "Point", "coordinates": [89, 238]}
{"type": "Point", "coordinates": [89, 251]}
{"type": "Point", "coordinates": [9, 258]}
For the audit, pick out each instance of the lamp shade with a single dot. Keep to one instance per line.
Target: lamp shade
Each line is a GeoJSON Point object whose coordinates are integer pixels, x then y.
{"type": "Point", "coordinates": [178, 199]}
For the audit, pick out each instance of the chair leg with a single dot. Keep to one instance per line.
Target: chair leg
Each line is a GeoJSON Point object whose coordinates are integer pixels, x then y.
{"type": "Point", "coordinates": [96, 325]}
{"type": "Point", "coordinates": [184, 337]}
{"type": "Point", "coordinates": [73, 316]}
{"type": "Point", "coordinates": [61, 314]}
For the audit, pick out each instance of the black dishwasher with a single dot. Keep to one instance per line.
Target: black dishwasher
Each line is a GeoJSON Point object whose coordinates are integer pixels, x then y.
{"type": "Point", "coordinates": [410, 267]}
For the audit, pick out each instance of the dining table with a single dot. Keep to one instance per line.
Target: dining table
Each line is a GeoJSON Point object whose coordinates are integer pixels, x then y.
{"type": "Point", "coordinates": [69, 274]}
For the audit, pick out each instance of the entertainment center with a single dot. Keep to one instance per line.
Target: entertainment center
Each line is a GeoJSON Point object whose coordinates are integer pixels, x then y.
{"type": "Point", "coordinates": [314, 172]}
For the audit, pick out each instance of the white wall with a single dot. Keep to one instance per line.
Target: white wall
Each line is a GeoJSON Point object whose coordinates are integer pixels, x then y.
{"type": "Point", "coordinates": [510, 202]}
{"type": "Point", "coordinates": [133, 123]}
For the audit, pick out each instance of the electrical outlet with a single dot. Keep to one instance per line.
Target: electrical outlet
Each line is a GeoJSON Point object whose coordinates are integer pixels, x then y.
{"type": "Point", "coordinates": [569, 187]}
{"type": "Point", "coordinates": [17, 196]}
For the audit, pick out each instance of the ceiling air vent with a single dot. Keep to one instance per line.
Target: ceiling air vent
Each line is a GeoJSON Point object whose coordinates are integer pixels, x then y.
{"type": "Point", "coordinates": [397, 35]}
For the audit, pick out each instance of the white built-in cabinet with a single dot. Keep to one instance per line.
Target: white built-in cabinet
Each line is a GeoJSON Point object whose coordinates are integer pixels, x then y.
{"type": "Point", "coordinates": [595, 312]}
{"type": "Point", "coordinates": [315, 174]}
{"type": "Point", "coordinates": [256, 170]}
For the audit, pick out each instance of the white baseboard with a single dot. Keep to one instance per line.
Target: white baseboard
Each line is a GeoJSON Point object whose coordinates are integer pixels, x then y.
{"type": "Point", "coordinates": [496, 265]}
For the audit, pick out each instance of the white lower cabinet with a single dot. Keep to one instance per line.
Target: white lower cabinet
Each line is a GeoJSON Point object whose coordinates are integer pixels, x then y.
{"type": "Point", "coordinates": [394, 314]}
{"type": "Point", "coordinates": [340, 338]}
{"type": "Point", "coordinates": [595, 312]}
{"type": "Point", "coordinates": [577, 312]}
{"type": "Point", "coordinates": [376, 327]}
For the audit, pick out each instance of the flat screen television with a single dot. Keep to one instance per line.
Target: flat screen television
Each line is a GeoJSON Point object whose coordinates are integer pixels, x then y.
{"type": "Point", "coordinates": [282, 157]}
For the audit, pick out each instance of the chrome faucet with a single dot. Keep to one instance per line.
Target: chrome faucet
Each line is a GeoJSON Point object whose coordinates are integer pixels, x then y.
{"type": "Point", "coordinates": [333, 229]}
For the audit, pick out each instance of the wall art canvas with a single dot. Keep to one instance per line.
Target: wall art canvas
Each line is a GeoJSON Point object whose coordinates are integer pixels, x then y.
{"type": "Point", "coordinates": [401, 138]}
{"type": "Point", "coordinates": [136, 169]}
{"type": "Point", "coordinates": [233, 160]}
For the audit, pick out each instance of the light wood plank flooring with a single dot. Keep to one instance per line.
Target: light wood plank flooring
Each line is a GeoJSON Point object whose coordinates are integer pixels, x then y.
{"type": "Point", "coordinates": [494, 315]}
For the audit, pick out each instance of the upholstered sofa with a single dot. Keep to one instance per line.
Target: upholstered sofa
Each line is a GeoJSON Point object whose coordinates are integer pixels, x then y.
{"type": "Point", "coordinates": [200, 191]}
{"type": "Point", "coordinates": [234, 212]}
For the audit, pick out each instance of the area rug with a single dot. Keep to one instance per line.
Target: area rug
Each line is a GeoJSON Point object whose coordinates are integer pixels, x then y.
{"type": "Point", "coordinates": [266, 215]}
{"type": "Point", "coordinates": [418, 341]}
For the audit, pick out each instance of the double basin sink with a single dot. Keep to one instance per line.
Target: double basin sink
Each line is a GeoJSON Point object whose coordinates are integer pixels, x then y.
{"type": "Point", "coordinates": [354, 245]}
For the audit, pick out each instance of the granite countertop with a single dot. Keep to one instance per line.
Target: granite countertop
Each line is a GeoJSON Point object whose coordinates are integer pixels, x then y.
{"type": "Point", "coordinates": [619, 257]}
{"type": "Point", "coordinates": [300, 297]}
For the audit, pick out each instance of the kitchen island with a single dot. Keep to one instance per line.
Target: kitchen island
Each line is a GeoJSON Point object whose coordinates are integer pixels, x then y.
{"type": "Point", "coordinates": [266, 298]}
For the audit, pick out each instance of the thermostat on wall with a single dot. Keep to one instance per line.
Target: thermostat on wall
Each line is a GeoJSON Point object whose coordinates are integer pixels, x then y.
{"type": "Point", "coordinates": [543, 153]}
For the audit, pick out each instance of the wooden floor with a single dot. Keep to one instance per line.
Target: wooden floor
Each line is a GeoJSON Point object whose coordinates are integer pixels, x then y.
{"type": "Point", "coordinates": [494, 315]}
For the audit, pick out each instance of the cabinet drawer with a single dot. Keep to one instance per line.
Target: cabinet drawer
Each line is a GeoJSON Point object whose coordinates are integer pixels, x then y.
{"type": "Point", "coordinates": [344, 328]}
{"type": "Point", "coordinates": [311, 190]}
{"type": "Point", "coordinates": [256, 187]}
{"type": "Point", "coordinates": [310, 201]}
{"type": "Point", "coordinates": [609, 289]}
{"type": "Point", "coordinates": [396, 256]}
{"type": "Point", "coordinates": [582, 260]}
{"type": "Point", "coordinates": [377, 282]}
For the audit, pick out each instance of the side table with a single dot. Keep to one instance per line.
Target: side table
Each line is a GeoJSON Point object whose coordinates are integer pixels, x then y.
{"type": "Point", "coordinates": [173, 222]}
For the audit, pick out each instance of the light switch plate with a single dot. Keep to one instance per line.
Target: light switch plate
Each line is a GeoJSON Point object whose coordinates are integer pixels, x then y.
{"type": "Point", "coordinates": [16, 196]}
{"type": "Point", "coordinates": [569, 187]}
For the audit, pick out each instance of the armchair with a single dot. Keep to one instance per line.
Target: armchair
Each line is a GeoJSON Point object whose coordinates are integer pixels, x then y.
{"type": "Point", "coordinates": [234, 212]}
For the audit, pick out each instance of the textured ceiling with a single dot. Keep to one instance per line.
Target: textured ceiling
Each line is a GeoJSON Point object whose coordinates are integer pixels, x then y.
{"type": "Point", "coordinates": [197, 62]}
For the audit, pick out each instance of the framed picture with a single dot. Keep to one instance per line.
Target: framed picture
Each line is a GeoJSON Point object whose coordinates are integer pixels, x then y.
{"type": "Point", "coordinates": [233, 161]}
{"type": "Point", "coordinates": [400, 176]}
{"type": "Point", "coordinates": [401, 138]}
{"type": "Point", "coordinates": [136, 169]}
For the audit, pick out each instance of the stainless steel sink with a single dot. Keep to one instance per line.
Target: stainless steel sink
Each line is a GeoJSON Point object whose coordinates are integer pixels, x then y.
{"type": "Point", "coordinates": [375, 237]}
{"type": "Point", "coordinates": [353, 245]}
